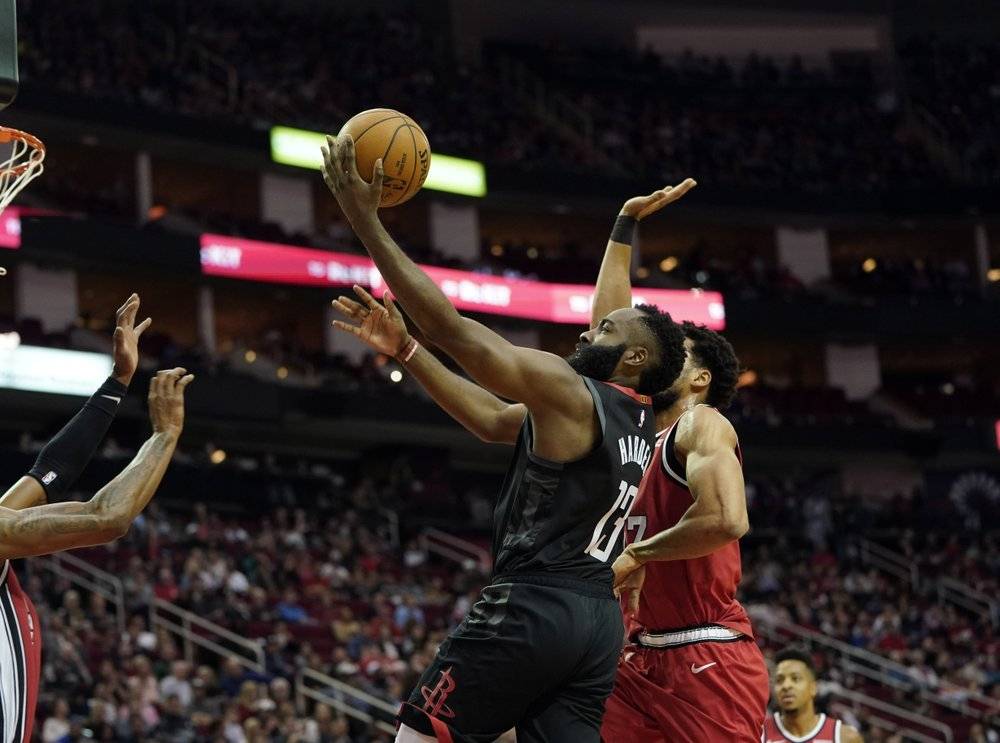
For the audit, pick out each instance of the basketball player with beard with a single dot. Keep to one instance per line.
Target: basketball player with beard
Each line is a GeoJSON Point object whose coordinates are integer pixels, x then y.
{"type": "Point", "coordinates": [796, 720]}
{"type": "Point", "coordinates": [538, 651]}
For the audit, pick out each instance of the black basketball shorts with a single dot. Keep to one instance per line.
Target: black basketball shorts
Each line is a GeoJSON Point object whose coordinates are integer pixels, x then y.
{"type": "Point", "coordinates": [535, 653]}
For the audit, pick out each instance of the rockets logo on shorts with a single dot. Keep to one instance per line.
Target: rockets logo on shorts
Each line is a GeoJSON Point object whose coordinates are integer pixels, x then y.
{"type": "Point", "coordinates": [435, 698]}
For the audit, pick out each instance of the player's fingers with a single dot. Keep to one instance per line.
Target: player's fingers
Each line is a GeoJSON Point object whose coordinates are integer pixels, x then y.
{"type": "Point", "coordinates": [132, 297]}
{"type": "Point", "coordinates": [390, 305]}
{"type": "Point", "coordinates": [378, 174]}
{"type": "Point", "coordinates": [185, 381]}
{"type": "Point", "coordinates": [141, 327]}
{"type": "Point", "coordinates": [347, 327]}
{"type": "Point", "coordinates": [126, 315]}
{"type": "Point", "coordinates": [367, 298]}
{"type": "Point", "coordinates": [347, 307]}
{"type": "Point", "coordinates": [348, 166]}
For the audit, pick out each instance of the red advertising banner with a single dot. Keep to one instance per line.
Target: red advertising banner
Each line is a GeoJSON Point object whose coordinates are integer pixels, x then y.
{"type": "Point", "coordinates": [252, 260]}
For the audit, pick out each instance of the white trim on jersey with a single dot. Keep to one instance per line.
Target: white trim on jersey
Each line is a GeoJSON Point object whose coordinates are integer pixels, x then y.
{"type": "Point", "coordinates": [13, 685]}
{"type": "Point", "coordinates": [667, 467]}
{"type": "Point", "coordinates": [3, 575]}
{"type": "Point", "coordinates": [805, 738]}
{"type": "Point", "coordinates": [837, 725]}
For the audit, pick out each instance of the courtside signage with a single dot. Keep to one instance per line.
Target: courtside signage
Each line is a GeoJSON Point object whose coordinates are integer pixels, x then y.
{"type": "Point", "coordinates": [36, 369]}
{"type": "Point", "coordinates": [253, 260]}
{"type": "Point", "coordinates": [300, 148]}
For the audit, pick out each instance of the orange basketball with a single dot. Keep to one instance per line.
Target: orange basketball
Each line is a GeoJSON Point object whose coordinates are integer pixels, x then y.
{"type": "Point", "coordinates": [402, 145]}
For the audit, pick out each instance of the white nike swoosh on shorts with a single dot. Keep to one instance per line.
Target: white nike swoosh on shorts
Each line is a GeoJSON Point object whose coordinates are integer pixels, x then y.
{"type": "Point", "coordinates": [699, 669]}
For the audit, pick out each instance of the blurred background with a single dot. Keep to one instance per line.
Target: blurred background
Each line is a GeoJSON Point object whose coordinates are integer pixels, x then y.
{"type": "Point", "coordinates": [323, 524]}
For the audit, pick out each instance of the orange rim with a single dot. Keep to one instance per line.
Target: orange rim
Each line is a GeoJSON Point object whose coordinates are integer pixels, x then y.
{"type": "Point", "coordinates": [7, 134]}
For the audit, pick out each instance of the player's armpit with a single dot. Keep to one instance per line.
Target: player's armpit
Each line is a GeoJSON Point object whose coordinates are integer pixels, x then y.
{"type": "Point", "coordinates": [24, 493]}
{"type": "Point", "coordinates": [849, 734]}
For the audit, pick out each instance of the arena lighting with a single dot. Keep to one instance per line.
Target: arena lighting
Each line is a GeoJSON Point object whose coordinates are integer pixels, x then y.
{"type": "Point", "coordinates": [218, 456]}
{"type": "Point", "coordinates": [35, 369]}
{"type": "Point", "coordinates": [253, 260]}
{"type": "Point", "coordinates": [993, 274]}
{"type": "Point", "coordinates": [300, 148]}
{"type": "Point", "coordinates": [396, 375]}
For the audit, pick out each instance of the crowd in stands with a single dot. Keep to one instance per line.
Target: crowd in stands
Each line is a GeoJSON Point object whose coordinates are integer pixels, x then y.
{"type": "Point", "coordinates": [760, 123]}
{"type": "Point", "coordinates": [297, 558]}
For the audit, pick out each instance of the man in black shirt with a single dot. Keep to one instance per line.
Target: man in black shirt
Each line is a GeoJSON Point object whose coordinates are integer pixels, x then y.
{"type": "Point", "coordinates": [538, 650]}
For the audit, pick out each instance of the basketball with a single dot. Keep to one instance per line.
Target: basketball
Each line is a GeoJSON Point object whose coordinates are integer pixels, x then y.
{"type": "Point", "coordinates": [402, 145]}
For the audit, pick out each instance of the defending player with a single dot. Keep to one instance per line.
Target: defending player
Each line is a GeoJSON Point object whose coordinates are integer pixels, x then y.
{"type": "Point", "coordinates": [796, 720]}
{"type": "Point", "coordinates": [538, 650]}
{"type": "Point", "coordinates": [691, 671]}
{"type": "Point", "coordinates": [28, 527]}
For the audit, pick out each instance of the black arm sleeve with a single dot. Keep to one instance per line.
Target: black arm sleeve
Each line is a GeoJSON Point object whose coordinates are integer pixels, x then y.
{"type": "Point", "coordinates": [63, 459]}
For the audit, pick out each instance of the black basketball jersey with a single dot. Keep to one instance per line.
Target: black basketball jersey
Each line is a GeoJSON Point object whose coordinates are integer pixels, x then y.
{"type": "Point", "coordinates": [565, 520]}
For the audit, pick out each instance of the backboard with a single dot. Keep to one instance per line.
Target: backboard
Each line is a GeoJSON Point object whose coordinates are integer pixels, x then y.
{"type": "Point", "coordinates": [8, 52]}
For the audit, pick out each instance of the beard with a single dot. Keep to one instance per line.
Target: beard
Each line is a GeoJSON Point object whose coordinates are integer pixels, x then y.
{"type": "Point", "coordinates": [666, 398]}
{"type": "Point", "coordinates": [597, 362]}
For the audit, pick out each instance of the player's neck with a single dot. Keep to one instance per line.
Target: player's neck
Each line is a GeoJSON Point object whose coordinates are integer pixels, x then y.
{"type": "Point", "coordinates": [668, 417]}
{"type": "Point", "coordinates": [800, 721]}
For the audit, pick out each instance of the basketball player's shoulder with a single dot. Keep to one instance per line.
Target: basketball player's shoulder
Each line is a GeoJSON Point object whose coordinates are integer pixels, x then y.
{"type": "Point", "coordinates": [703, 425]}
{"type": "Point", "coordinates": [849, 734]}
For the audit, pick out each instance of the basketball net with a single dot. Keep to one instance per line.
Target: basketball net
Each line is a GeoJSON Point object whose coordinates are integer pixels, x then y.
{"type": "Point", "coordinates": [20, 167]}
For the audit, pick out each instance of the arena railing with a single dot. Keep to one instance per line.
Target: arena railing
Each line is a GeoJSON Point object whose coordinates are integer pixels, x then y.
{"type": "Point", "coordinates": [323, 689]}
{"type": "Point", "coordinates": [197, 631]}
{"type": "Point", "coordinates": [454, 548]}
{"type": "Point", "coordinates": [889, 561]}
{"type": "Point", "coordinates": [948, 589]}
{"type": "Point", "coordinates": [874, 667]}
{"type": "Point", "coordinates": [895, 713]}
{"type": "Point", "coordinates": [89, 578]}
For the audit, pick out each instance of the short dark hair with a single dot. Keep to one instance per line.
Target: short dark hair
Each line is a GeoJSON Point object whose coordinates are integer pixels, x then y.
{"type": "Point", "coordinates": [799, 654]}
{"type": "Point", "coordinates": [718, 356]}
{"type": "Point", "coordinates": [670, 346]}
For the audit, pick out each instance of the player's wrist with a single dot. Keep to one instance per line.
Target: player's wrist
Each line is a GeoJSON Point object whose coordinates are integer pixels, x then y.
{"type": "Point", "coordinates": [637, 553]}
{"type": "Point", "coordinates": [407, 350]}
{"type": "Point", "coordinates": [624, 229]}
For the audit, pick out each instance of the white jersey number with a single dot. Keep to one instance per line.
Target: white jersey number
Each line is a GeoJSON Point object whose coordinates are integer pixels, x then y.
{"type": "Point", "coordinates": [602, 545]}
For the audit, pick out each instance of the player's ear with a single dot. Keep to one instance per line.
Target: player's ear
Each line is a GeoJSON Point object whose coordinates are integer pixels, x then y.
{"type": "Point", "coordinates": [702, 379]}
{"type": "Point", "coordinates": [636, 356]}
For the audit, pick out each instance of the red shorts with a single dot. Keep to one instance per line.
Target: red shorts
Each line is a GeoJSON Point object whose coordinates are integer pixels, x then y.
{"type": "Point", "coordinates": [708, 692]}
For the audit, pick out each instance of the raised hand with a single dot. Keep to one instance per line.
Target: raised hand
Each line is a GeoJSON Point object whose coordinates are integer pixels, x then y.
{"type": "Point", "coordinates": [641, 207]}
{"type": "Point", "coordinates": [166, 400]}
{"type": "Point", "coordinates": [381, 326]}
{"type": "Point", "coordinates": [126, 340]}
{"type": "Point", "coordinates": [357, 198]}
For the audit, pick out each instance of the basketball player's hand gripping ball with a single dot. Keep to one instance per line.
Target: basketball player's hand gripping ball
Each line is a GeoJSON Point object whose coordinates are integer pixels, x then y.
{"type": "Point", "coordinates": [358, 199]}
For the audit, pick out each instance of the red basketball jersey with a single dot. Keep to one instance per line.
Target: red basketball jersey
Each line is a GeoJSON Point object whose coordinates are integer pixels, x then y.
{"type": "Point", "coordinates": [681, 594]}
{"type": "Point", "coordinates": [20, 659]}
{"type": "Point", "coordinates": [827, 730]}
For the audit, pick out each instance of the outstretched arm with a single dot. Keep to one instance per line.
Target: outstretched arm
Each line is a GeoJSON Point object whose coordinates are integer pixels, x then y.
{"type": "Point", "coordinates": [848, 734]}
{"type": "Point", "coordinates": [614, 285]}
{"type": "Point", "coordinates": [718, 516]}
{"type": "Point", "coordinates": [514, 372]}
{"type": "Point", "coordinates": [382, 327]}
{"type": "Point", "coordinates": [66, 455]}
{"type": "Point", "coordinates": [107, 516]}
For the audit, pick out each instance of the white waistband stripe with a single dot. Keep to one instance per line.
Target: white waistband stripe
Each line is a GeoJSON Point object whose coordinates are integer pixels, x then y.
{"type": "Point", "coordinates": [688, 636]}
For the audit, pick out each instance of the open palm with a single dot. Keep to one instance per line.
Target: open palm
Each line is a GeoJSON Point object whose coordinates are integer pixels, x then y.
{"type": "Point", "coordinates": [380, 326]}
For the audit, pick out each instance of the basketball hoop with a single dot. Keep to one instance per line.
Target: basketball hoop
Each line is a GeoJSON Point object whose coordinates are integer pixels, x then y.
{"type": "Point", "coordinates": [22, 166]}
